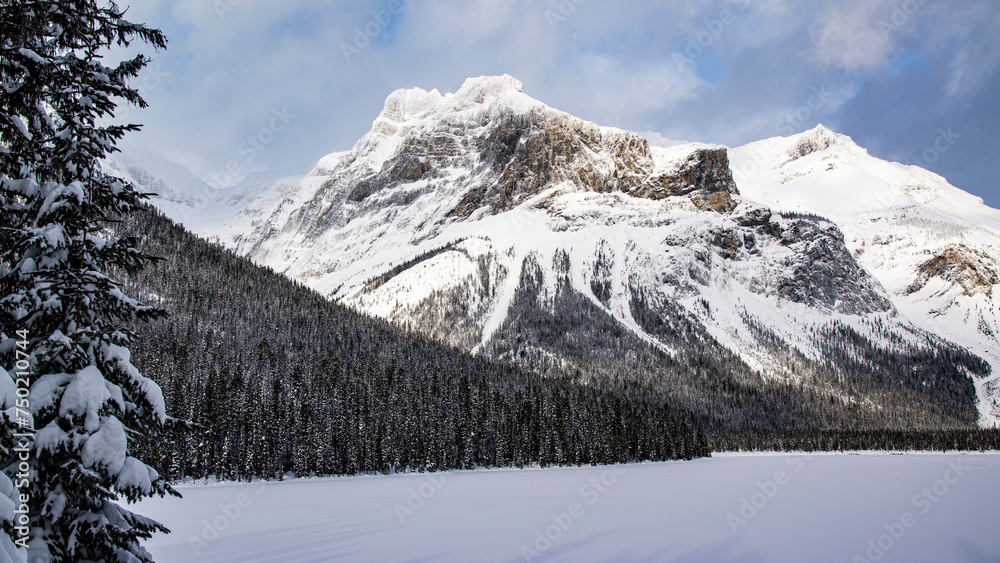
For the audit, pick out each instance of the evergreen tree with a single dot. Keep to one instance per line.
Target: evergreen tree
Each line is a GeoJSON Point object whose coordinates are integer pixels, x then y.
{"type": "Point", "coordinates": [87, 401]}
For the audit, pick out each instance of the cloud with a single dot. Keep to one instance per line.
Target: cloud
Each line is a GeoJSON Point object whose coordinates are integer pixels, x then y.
{"type": "Point", "coordinates": [226, 71]}
{"type": "Point", "coordinates": [848, 35]}
{"type": "Point", "coordinates": [979, 56]}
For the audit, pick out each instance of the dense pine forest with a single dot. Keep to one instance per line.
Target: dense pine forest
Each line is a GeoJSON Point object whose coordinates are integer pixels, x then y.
{"type": "Point", "coordinates": [274, 379]}
{"type": "Point", "coordinates": [925, 390]}
{"type": "Point", "coordinates": [760, 440]}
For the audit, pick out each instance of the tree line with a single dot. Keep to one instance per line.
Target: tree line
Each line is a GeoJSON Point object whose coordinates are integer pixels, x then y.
{"type": "Point", "coordinates": [278, 380]}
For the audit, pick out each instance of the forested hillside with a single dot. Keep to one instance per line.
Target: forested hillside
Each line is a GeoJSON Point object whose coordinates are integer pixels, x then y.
{"type": "Point", "coordinates": [278, 379]}
{"type": "Point", "coordinates": [858, 387]}
{"type": "Point", "coordinates": [491, 222]}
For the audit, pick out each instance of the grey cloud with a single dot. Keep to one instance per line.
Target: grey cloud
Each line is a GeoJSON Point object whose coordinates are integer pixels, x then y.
{"type": "Point", "coordinates": [609, 62]}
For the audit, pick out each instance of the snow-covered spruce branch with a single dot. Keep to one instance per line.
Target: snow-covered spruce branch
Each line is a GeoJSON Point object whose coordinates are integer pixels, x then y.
{"type": "Point", "coordinates": [63, 319]}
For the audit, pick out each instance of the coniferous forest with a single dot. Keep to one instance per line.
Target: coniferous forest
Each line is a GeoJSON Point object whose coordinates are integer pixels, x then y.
{"type": "Point", "coordinates": [278, 380]}
{"type": "Point", "coordinates": [135, 355]}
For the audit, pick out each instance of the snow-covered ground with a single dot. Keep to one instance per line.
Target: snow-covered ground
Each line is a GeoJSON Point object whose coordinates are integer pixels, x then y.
{"type": "Point", "coordinates": [757, 508]}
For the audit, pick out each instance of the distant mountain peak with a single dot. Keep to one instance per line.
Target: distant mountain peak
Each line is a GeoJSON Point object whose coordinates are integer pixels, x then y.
{"type": "Point", "coordinates": [475, 215]}
{"type": "Point", "coordinates": [404, 104]}
{"type": "Point", "coordinates": [481, 87]}
{"type": "Point", "coordinates": [505, 92]}
{"type": "Point", "coordinates": [818, 139]}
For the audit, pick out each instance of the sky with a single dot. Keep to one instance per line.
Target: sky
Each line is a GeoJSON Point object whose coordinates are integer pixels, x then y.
{"type": "Point", "coordinates": [272, 86]}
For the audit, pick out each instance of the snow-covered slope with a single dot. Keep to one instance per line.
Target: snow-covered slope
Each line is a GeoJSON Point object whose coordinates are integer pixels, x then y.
{"type": "Point", "coordinates": [184, 197]}
{"type": "Point", "coordinates": [933, 247]}
{"type": "Point", "coordinates": [479, 216]}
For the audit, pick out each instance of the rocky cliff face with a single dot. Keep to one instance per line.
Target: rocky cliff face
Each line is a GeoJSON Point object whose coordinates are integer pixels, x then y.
{"type": "Point", "coordinates": [967, 270]}
{"type": "Point", "coordinates": [494, 223]}
{"type": "Point", "coordinates": [516, 152]}
{"type": "Point", "coordinates": [933, 247]}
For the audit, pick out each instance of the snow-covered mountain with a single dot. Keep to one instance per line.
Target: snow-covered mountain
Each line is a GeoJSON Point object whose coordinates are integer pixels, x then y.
{"type": "Point", "coordinates": [933, 247]}
{"type": "Point", "coordinates": [497, 224]}
{"type": "Point", "coordinates": [183, 196]}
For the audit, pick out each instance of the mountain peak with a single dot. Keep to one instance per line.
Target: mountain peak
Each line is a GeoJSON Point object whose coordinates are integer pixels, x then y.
{"type": "Point", "coordinates": [817, 139]}
{"type": "Point", "coordinates": [499, 146]}
{"type": "Point", "coordinates": [482, 87]}
{"type": "Point", "coordinates": [405, 103]}
{"type": "Point", "coordinates": [482, 92]}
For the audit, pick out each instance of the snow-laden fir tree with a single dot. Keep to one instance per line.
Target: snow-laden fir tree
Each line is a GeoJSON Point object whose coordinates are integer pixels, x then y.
{"type": "Point", "coordinates": [60, 312]}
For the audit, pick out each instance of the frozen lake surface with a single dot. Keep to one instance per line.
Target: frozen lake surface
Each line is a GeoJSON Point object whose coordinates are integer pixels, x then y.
{"type": "Point", "coordinates": [746, 508]}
